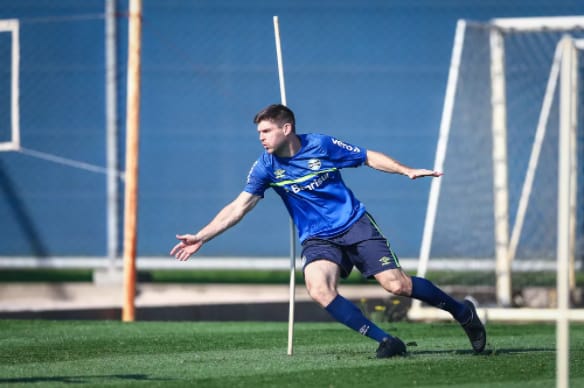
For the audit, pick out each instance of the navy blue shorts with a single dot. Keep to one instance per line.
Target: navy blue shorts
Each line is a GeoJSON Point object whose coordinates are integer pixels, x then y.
{"type": "Point", "coordinates": [362, 246]}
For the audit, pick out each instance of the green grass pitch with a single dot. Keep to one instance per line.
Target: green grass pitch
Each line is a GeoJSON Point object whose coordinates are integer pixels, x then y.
{"type": "Point", "coordinates": [253, 354]}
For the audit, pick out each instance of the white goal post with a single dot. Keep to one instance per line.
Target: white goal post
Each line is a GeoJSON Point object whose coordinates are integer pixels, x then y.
{"type": "Point", "coordinates": [11, 26]}
{"type": "Point", "coordinates": [505, 242]}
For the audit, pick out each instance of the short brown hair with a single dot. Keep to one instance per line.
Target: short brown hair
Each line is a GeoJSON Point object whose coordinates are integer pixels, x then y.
{"type": "Point", "coordinates": [278, 114]}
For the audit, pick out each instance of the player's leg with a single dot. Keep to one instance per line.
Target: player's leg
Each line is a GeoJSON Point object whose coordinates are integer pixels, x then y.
{"type": "Point", "coordinates": [372, 254]}
{"type": "Point", "coordinates": [399, 283]}
{"type": "Point", "coordinates": [321, 277]}
{"type": "Point", "coordinates": [374, 257]}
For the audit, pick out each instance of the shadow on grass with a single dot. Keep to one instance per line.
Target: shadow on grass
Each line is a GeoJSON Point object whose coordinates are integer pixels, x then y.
{"type": "Point", "coordinates": [79, 379]}
{"type": "Point", "coordinates": [412, 352]}
{"type": "Point", "coordinates": [486, 352]}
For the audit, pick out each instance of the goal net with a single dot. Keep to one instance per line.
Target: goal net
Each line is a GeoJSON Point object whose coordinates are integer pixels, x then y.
{"type": "Point", "coordinates": [496, 208]}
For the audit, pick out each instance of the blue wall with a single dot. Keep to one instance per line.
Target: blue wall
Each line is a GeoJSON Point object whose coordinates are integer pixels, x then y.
{"type": "Point", "coordinates": [370, 72]}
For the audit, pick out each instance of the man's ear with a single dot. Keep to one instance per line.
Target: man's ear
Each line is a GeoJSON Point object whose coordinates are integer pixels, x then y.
{"type": "Point", "coordinates": [287, 128]}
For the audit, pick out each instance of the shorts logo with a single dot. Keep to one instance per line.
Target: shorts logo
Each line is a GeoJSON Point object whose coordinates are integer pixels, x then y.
{"type": "Point", "coordinates": [314, 164]}
{"type": "Point", "coordinates": [385, 261]}
{"type": "Point", "coordinates": [279, 173]}
{"type": "Point", "coordinates": [303, 261]}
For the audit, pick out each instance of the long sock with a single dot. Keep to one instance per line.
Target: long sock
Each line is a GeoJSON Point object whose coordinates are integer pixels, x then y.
{"type": "Point", "coordinates": [426, 291]}
{"type": "Point", "coordinates": [348, 314]}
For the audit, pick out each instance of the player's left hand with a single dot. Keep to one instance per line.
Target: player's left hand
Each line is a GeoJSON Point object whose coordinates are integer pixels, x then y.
{"type": "Point", "coordinates": [189, 244]}
{"type": "Point", "coordinates": [420, 173]}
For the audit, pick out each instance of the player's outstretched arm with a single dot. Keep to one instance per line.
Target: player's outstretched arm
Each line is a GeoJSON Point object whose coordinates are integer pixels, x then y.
{"type": "Point", "coordinates": [230, 215]}
{"type": "Point", "coordinates": [382, 162]}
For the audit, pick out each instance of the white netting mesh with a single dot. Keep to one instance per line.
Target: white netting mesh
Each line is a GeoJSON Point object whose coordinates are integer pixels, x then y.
{"type": "Point", "coordinates": [465, 225]}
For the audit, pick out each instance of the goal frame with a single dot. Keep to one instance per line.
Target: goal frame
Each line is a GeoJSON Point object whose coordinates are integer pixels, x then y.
{"type": "Point", "coordinates": [505, 243]}
{"type": "Point", "coordinates": [13, 27]}
{"type": "Point", "coordinates": [564, 71]}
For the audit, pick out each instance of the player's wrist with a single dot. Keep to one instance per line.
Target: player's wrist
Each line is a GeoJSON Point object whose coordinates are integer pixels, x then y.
{"type": "Point", "coordinates": [409, 172]}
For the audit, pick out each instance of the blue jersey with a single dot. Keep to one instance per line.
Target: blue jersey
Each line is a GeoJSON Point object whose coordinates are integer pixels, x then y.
{"type": "Point", "coordinates": [311, 186]}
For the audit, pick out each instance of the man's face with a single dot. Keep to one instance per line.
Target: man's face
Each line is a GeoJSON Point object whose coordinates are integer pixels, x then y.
{"type": "Point", "coordinates": [272, 137]}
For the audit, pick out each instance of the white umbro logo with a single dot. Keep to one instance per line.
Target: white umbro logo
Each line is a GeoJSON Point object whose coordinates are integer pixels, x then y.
{"type": "Point", "coordinates": [279, 173]}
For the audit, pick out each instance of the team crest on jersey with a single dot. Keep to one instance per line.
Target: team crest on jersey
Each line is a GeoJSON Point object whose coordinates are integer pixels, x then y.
{"type": "Point", "coordinates": [314, 164]}
{"type": "Point", "coordinates": [279, 173]}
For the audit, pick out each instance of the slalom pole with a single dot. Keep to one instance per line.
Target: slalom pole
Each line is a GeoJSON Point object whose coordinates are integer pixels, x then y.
{"type": "Point", "coordinates": [292, 230]}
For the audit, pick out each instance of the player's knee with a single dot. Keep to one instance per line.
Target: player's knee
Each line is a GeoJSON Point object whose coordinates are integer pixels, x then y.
{"type": "Point", "coordinates": [321, 294]}
{"type": "Point", "coordinates": [399, 287]}
{"type": "Point", "coordinates": [395, 281]}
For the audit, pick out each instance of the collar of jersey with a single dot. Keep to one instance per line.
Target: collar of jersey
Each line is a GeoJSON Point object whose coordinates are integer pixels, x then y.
{"type": "Point", "coordinates": [302, 178]}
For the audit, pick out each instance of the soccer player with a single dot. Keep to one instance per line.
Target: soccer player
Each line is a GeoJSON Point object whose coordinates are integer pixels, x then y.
{"type": "Point", "coordinates": [335, 230]}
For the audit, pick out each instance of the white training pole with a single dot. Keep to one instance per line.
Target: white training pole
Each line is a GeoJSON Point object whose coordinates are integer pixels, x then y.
{"type": "Point", "coordinates": [292, 232]}
{"type": "Point", "coordinates": [280, 63]}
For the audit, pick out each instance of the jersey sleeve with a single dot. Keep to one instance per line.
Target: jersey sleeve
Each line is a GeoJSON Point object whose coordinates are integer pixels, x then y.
{"type": "Point", "coordinates": [343, 154]}
{"type": "Point", "coordinates": [258, 179]}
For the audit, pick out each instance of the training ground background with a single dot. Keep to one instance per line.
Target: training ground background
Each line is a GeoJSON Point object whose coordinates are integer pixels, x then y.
{"type": "Point", "coordinates": [372, 73]}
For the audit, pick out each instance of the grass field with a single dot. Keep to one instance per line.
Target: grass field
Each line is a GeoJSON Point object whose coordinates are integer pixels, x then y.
{"type": "Point", "coordinates": [102, 353]}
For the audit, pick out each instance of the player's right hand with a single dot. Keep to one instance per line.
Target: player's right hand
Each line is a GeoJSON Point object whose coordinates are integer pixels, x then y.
{"type": "Point", "coordinates": [189, 244]}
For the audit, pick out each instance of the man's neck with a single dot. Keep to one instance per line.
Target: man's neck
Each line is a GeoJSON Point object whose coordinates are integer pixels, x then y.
{"type": "Point", "coordinates": [290, 148]}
